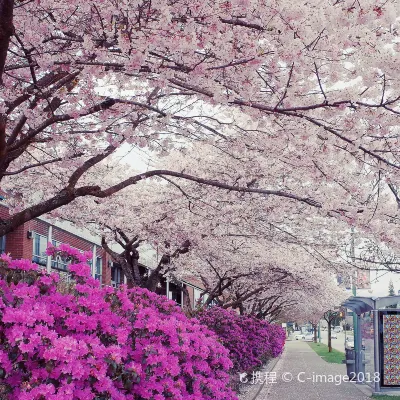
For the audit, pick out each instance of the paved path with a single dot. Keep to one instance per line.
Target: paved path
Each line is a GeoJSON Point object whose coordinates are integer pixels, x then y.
{"type": "Point", "coordinates": [297, 376]}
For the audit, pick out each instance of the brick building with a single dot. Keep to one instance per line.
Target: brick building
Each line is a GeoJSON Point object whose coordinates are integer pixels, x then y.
{"type": "Point", "coordinates": [29, 241]}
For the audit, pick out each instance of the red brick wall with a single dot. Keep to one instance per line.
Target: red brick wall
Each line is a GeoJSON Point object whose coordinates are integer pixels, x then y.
{"type": "Point", "coordinates": [40, 227]}
{"type": "Point", "coordinates": [106, 278]}
{"type": "Point", "coordinates": [191, 295]}
{"type": "Point", "coordinates": [4, 212]}
{"type": "Point", "coordinates": [18, 244]}
{"type": "Point", "coordinates": [193, 281]}
{"type": "Point", "coordinates": [71, 239]}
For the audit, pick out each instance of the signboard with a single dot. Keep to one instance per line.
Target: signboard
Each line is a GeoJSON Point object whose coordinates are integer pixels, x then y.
{"type": "Point", "coordinates": [363, 279]}
{"type": "Point", "coordinates": [390, 348]}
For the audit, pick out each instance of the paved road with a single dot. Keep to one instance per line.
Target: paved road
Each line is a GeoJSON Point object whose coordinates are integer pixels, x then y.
{"type": "Point", "coordinates": [302, 375]}
{"type": "Point", "coordinates": [337, 344]}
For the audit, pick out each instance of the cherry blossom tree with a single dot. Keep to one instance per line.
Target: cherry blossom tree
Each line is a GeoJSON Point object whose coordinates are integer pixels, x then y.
{"type": "Point", "coordinates": [128, 259]}
{"type": "Point", "coordinates": [80, 80]}
{"type": "Point", "coordinates": [329, 317]}
{"type": "Point", "coordinates": [295, 119]}
{"type": "Point", "coordinates": [245, 254]}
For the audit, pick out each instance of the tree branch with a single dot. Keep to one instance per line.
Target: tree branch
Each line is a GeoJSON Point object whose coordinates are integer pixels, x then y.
{"type": "Point", "coordinates": [6, 31]}
{"type": "Point", "coordinates": [242, 189]}
{"type": "Point", "coordinates": [70, 193]}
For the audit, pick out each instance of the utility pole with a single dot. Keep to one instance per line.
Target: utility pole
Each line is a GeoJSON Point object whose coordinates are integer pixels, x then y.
{"type": "Point", "coordinates": [354, 288]}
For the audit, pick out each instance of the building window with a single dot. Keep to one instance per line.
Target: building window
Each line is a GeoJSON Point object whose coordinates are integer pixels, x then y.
{"type": "Point", "coordinates": [2, 244]}
{"type": "Point", "coordinates": [97, 272]}
{"type": "Point", "coordinates": [58, 262]}
{"type": "Point", "coordinates": [39, 249]}
{"type": "Point", "coordinates": [197, 299]}
{"type": "Point", "coordinates": [175, 293]}
{"type": "Point", "coordinates": [116, 275]}
{"type": "Point", "coordinates": [161, 288]}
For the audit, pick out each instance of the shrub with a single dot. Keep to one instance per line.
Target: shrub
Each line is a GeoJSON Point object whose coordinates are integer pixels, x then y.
{"type": "Point", "coordinates": [278, 338]}
{"type": "Point", "coordinates": [100, 343]}
{"type": "Point", "coordinates": [250, 341]}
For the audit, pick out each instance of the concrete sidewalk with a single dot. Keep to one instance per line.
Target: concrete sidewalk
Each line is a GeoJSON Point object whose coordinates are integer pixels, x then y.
{"type": "Point", "coordinates": [301, 374]}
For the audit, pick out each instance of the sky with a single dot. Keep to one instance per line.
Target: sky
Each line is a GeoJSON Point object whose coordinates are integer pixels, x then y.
{"type": "Point", "coordinates": [133, 156]}
{"type": "Point", "coordinates": [380, 284]}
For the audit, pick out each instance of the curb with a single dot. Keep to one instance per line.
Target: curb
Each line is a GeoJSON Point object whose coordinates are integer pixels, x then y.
{"type": "Point", "coordinates": [365, 389]}
{"type": "Point", "coordinates": [268, 368]}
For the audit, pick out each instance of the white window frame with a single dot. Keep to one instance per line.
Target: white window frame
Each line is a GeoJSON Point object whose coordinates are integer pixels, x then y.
{"type": "Point", "coordinates": [2, 244]}
{"type": "Point", "coordinates": [98, 269]}
{"type": "Point", "coordinates": [40, 259]}
{"type": "Point", "coordinates": [115, 283]}
{"type": "Point", "coordinates": [58, 263]}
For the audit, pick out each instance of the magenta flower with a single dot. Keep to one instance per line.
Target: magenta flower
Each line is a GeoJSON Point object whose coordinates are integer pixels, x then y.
{"type": "Point", "coordinates": [95, 342]}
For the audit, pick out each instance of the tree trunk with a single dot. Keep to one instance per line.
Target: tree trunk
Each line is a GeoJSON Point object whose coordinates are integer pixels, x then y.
{"type": "Point", "coordinates": [155, 276]}
{"type": "Point", "coordinates": [329, 338]}
{"type": "Point", "coordinates": [130, 279]}
{"type": "Point", "coordinates": [153, 281]}
{"type": "Point", "coordinates": [6, 31]}
{"type": "Point", "coordinates": [187, 305]}
{"type": "Point", "coordinates": [132, 264]}
{"type": "Point", "coordinates": [315, 327]}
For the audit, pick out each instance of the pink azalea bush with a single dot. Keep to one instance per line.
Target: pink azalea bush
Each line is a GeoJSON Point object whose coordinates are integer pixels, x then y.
{"type": "Point", "coordinates": [278, 338]}
{"type": "Point", "coordinates": [250, 341]}
{"type": "Point", "coordinates": [100, 343]}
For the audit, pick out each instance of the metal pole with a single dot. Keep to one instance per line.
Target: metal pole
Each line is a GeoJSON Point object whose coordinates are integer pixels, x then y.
{"type": "Point", "coordinates": [376, 349]}
{"type": "Point", "coordinates": [354, 290]}
{"type": "Point", "coordinates": [94, 261]}
{"type": "Point", "coordinates": [49, 240]}
{"type": "Point", "coordinates": [359, 361]}
{"type": "Point", "coordinates": [356, 333]}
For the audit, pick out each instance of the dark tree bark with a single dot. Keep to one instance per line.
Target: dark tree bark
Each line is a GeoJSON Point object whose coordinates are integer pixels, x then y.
{"type": "Point", "coordinates": [329, 338]}
{"type": "Point", "coordinates": [128, 259]}
{"type": "Point", "coordinates": [122, 261]}
{"type": "Point", "coordinates": [315, 327]}
{"type": "Point", "coordinates": [187, 305]}
{"type": "Point", "coordinates": [6, 31]}
{"type": "Point", "coordinates": [329, 317]}
{"type": "Point", "coordinates": [241, 294]}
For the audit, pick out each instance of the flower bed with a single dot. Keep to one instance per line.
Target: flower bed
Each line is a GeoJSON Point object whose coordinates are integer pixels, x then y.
{"type": "Point", "coordinates": [100, 343]}
{"type": "Point", "coordinates": [250, 341]}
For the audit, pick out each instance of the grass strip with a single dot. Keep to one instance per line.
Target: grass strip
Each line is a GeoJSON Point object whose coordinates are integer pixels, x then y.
{"type": "Point", "coordinates": [333, 357]}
